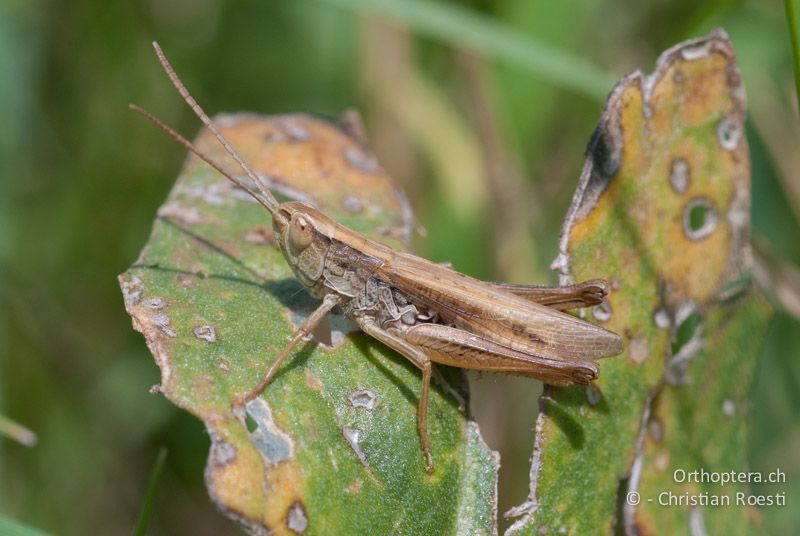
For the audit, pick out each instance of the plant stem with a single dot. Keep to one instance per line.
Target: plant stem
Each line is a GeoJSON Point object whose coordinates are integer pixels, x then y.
{"type": "Point", "coordinates": [791, 19]}
{"type": "Point", "coordinates": [147, 506]}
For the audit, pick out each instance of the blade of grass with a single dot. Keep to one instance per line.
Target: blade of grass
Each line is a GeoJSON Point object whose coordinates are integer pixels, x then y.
{"type": "Point", "coordinates": [152, 485]}
{"type": "Point", "coordinates": [17, 432]}
{"type": "Point", "coordinates": [467, 29]}
{"type": "Point", "coordinates": [791, 19]}
{"type": "Point", "coordinates": [9, 527]}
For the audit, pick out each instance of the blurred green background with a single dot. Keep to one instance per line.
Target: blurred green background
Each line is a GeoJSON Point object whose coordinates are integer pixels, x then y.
{"type": "Point", "coordinates": [480, 110]}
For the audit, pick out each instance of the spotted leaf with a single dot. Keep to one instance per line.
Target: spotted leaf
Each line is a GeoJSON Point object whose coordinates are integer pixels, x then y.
{"type": "Point", "coordinates": [662, 212]}
{"type": "Point", "coordinates": [332, 445]}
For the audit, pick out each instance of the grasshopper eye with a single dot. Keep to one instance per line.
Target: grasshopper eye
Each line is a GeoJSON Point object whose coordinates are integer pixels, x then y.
{"type": "Point", "coordinates": [300, 233]}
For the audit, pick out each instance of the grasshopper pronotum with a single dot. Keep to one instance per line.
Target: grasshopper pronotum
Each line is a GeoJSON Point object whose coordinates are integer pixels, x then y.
{"type": "Point", "coordinates": [427, 312]}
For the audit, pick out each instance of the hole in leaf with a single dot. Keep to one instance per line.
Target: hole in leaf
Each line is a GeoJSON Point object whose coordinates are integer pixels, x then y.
{"type": "Point", "coordinates": [686, 330]}
{"type": "Point", "coordinates": [728, 133]}
{"type": "Point", "coordinates": [251, 423]}
{"type": "Point", "coordinates": [699, 219]}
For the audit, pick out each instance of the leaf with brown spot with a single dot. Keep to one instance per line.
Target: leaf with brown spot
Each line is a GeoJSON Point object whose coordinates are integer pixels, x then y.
{"type": "Point", "coordinates": [216, 303]}
{"type": "Point", "coordinates": [661, 211]}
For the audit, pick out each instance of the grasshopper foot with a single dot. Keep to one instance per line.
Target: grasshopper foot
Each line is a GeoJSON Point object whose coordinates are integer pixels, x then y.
{"type": "Point", "coordinates": [429, 466]}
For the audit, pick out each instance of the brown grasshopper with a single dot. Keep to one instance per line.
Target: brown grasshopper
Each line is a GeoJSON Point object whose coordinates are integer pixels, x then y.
{"type": "Point", "coordinates": [426, 312]}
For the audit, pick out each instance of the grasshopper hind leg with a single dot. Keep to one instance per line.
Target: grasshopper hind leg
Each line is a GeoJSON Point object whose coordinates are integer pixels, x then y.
{"type": "Point", "coordinates": [422, 362]}
{"type": "Point", "coordinates": [563, 298]}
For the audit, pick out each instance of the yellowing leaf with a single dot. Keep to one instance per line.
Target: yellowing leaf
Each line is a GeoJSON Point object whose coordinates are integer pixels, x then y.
{"type": "Point", "coordinates": [662, 212]}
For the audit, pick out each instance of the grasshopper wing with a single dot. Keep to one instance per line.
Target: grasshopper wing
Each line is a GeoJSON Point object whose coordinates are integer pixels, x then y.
{"type": "Point", "coordinates": [497, 315]}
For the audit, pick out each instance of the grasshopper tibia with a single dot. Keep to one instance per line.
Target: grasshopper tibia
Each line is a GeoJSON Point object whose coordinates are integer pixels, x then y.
{"type": "Point", "coordinates": [330, 301]}
{"type": "Point", "coordinates": [414, 354]}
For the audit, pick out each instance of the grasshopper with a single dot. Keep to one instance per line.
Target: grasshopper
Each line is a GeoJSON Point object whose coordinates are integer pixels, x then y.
{"type": "Point", "coordinates": [427, 312]}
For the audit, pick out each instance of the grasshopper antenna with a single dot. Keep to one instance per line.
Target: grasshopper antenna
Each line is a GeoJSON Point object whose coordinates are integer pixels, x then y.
{"type": "Point", "coordinates": [265, 197]}
{"type": "Point", "coordinates": [268, 202]}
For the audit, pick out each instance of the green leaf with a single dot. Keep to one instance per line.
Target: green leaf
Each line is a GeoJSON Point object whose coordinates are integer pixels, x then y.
{"type": "Point", "coordinates": [332, 445]}
{"type": "Point", "coordinates": [662, 212]}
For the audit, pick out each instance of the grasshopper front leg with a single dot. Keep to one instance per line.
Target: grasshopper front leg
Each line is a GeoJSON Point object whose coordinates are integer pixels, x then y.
{"type": "Point", "coordinates": [422, 362]}
{"type": "Point", "coordinates": [329, 302]}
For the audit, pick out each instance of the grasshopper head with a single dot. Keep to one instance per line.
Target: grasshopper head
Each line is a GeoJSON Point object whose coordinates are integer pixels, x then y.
{"type": "Point", "coordinates": [304, 235]}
